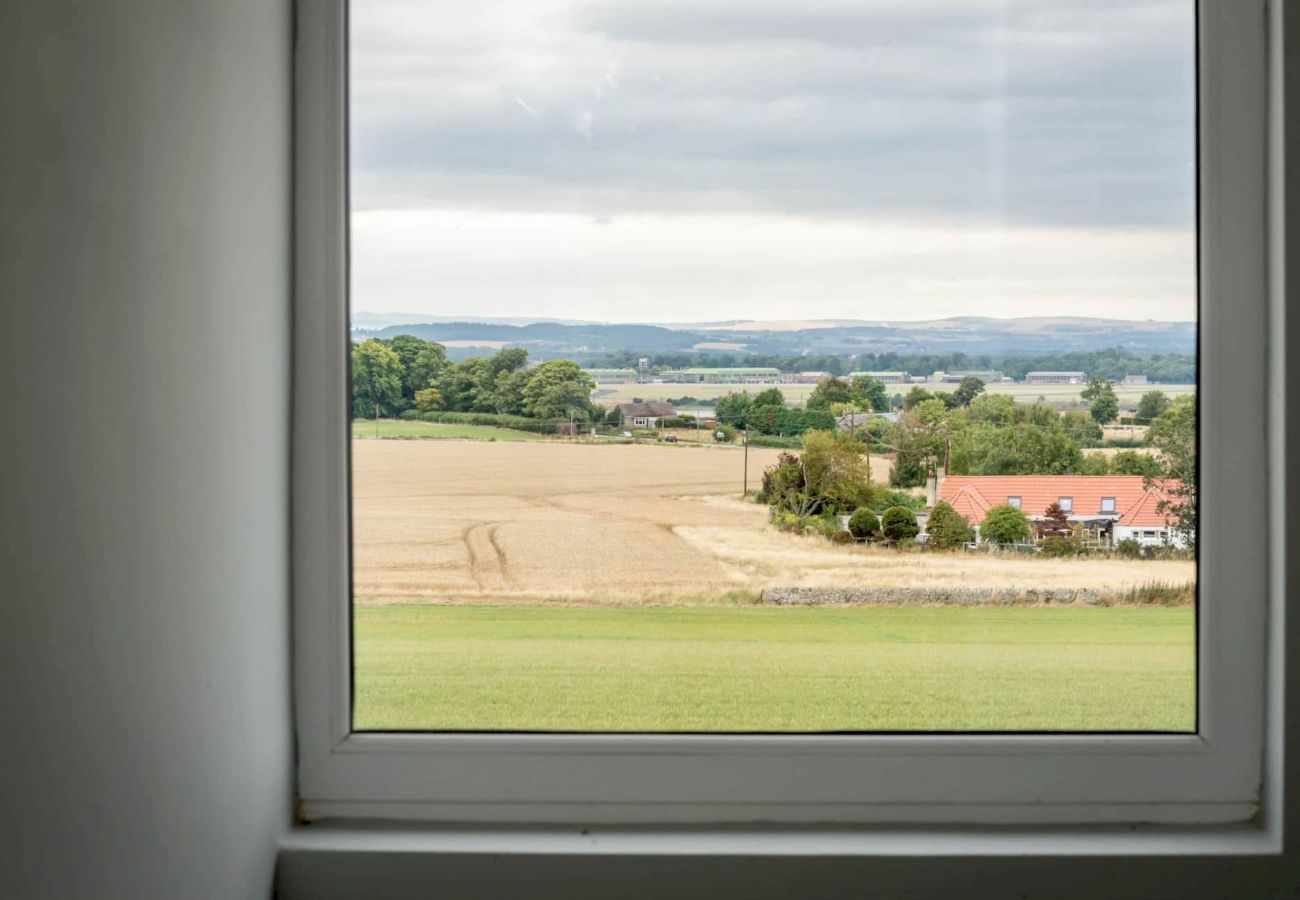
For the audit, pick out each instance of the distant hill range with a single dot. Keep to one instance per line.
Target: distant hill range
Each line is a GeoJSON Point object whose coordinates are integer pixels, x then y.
{"type": "Point", "coordinates": [976, 335]}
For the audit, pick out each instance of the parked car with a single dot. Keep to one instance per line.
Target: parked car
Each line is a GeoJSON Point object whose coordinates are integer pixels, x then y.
{"type": "Point", "coordinates": [627, 434]}
{"type": "Point", "coordinates": [671, 438]}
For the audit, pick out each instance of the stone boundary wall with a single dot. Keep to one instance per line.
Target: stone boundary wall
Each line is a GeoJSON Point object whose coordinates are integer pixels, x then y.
{"type": "Point", "coordinates": [803, 596]}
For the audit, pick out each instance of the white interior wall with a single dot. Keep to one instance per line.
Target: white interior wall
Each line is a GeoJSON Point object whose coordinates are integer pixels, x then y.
{"type": "Point", "coordinates": [145, 189]}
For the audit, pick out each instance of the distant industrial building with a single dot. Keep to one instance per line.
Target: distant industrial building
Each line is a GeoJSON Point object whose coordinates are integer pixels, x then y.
{"type": "Point", "coordinates": [988, 376]}
{"type": "Point", "coordinates": [1135, 379]}
{"type": "Point", "coordinates": [805, 377]}
{"type": "Point", "coordinates": [886, 377]}
{"type": "Point", "coordinates": [1055, 377]}
{"type": "Point", "coordinates": [612, 376]}
{"type": "Point", "coordinates": [725, 376]}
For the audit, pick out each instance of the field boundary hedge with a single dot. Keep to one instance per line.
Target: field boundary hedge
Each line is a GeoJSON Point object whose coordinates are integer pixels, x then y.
{"type": "Point", "coordinates": [519, 423]}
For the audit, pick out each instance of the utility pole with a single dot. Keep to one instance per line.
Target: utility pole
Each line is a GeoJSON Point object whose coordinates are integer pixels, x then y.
{"type": "Point", "coordinates": [745, 491]}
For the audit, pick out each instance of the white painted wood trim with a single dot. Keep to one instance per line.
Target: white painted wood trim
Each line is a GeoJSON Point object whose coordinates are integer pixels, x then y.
{"type": "Point", "coordinates": [1212, 777]}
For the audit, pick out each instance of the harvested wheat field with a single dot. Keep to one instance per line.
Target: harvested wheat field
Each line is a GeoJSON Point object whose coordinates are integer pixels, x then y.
{"type": "Point", "coordinates": [490, 522]}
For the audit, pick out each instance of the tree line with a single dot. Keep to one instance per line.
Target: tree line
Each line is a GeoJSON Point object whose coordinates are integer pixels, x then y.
{"type": "Point", "coordinates": [390, 376]}
{"type": "Point", "coordinates": [1112, 364]}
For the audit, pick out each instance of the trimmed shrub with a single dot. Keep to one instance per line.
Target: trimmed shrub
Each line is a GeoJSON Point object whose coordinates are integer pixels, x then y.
{"type": "Point", "coordinates": [1060, 545]}
{"type": "Point", "coordinates": [841, 537]}
{"type": "Point", "coordinates": [899, 524]}
{"type": "Point", "coordinates": [946, 529]}
{"type": "Point", "coordinates": [1005, 524]}
{"type": "Point", "coordinates": [1128, 548]}
{"type": "Point", "coordinates": [519, 423]}
{"type": "Point", "coordinates": [863, 523]}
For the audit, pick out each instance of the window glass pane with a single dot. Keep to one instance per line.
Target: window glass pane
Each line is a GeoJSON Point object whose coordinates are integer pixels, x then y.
{"type": "Point", "coordinates": [722, 367]}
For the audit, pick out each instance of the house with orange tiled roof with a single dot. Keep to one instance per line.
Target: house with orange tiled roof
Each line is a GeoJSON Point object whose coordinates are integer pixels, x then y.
{"type": "Point", "coordinates": [1116, 507]}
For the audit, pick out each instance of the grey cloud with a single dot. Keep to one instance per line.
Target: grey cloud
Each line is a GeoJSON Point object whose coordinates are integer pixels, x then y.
{"type": "Point", "coordinates": [1028, 112]}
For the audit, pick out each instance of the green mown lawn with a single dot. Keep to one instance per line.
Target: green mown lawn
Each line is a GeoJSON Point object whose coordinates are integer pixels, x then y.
{"type": "Point", "coordinates": [774, 669]}
{"type": "Point", "coordinates": [399, 428]}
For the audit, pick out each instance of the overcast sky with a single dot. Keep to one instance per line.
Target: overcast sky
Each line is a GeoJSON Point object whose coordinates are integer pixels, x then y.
{"type": "Point", "coordinates": [686, 160]}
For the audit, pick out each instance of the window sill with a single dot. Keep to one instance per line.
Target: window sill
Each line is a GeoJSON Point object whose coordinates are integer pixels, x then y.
{"type": "Point", "coordinates": [1129, 841]}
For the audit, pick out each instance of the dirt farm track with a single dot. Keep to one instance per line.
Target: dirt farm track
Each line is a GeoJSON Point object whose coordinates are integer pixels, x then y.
{"type": "Point", "coordinates": [479, 521]}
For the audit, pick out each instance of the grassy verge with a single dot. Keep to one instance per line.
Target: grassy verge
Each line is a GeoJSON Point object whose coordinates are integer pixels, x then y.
{"type": "Point", "coordinates": [783, 669]}
{"type": "Point", "coordinates": [394, 428]}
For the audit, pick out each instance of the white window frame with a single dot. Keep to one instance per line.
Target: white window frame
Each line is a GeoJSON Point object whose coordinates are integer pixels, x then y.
{"type": "Point", "coordinates": [1107, 502]}
{"type": "Point", "coordinates": [1223, 781]}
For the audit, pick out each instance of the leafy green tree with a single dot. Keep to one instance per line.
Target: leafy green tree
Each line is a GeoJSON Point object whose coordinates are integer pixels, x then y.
{"type": "Point", "coordinates": [763, 419]}
{"type": "Point", "coordinates": [558, 389]}
{"type": "Point", "coordinates": [1173, 433]}
{"type": "Point", "coordinates": [423, 363]}
{"type": "Point", "coordinates": [1152, 405]}
{"type": "Point", "coordinates": [863, 523]}
{"type": "Point", "coordinates": [506, 392]}
{"type": "Point", "coordinates": [1131, 462]}
{"type": "Point", "coordinates": [869, 393]}
{"type": "Point", "coordinates": [429, 400]}
{"type": "Point", "coordinates": [467, 386]}
{"type": "Point", "coordinates": [1005, 524]}
{"type": "Point", "coordinates": [502, 383]}
{"type": "Point", "coordinates": [770, 397]}
{"type": "Point", "coordinates": [1082, 427]}
{"type": "Point", "coordinates": [992, 409]}
{"type": "Point", "coordinates": [511, 359]}
{"type": "Point", "coordinates": [920, 439]}
{"type": "Point", "coordinates": [376, 380]}
{"type": "Point", "coordinates": [1038, 413]}
{"type": "Point", "coordinates": [429, 365]}
{"type": "Point", "coordinates": [830, 475]}
{"type": "Point", "coordinates": [946, 529]}
{"type": "Point", "coordinates": [407, 347]}
{"type": "Point", "coordinates": [1102, 402]}
{"type": "Point", "coordinates": [899, 524]}
{"type": "Point", "coordinates": [970, 388]}
{"type": "Point", "coordinates": [835, 471]}
{"type": "Point", "coordinates": [829, 390]}
{"type": "Point", "coordinates": [1022, 449]}
{"type": "Point", "coordinates": [784, 487]}
{"type": "Point", "coordinates": [733, 409]}
{"type": "Point", "coordinates": [916, 396]}
{"type": "Point", "coordinates": [1095, 464]}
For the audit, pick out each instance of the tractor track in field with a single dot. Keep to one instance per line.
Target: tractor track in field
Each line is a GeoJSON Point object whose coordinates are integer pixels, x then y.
{"type": "Point", "coordinates": [487, 561]}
